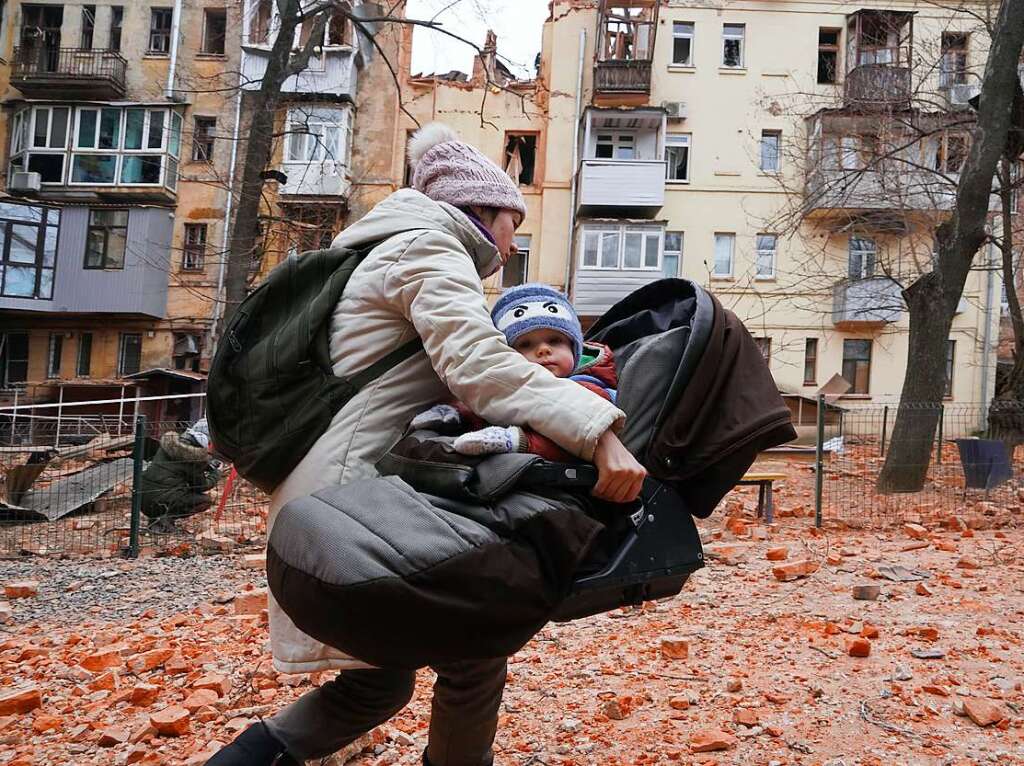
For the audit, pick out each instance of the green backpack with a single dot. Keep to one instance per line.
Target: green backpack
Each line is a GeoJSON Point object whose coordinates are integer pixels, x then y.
{"type": "Point", "coordinates": [271, 391]}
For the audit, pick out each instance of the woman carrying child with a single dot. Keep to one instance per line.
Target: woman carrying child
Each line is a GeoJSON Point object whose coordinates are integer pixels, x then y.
{"type": "Point", "coordinates": [437, 242]}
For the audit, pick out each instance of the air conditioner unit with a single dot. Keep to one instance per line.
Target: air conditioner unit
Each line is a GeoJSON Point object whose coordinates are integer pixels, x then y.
{"type": "Point", "coordinates": [23, 181]}
{"type": "Point", "coordinates": [676, 110]}
{"type": "Point", "coordinates": [960, 95]}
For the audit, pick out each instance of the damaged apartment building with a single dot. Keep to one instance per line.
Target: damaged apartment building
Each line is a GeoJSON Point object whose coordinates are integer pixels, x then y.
{"type": "Point", "coordinates": [124, 135]}
{"type": "Point", "coordinates": [799, 182]}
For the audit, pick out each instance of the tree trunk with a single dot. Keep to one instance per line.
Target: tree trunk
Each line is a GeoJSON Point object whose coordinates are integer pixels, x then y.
{"type": "Point", "coordinates": [1011, 389]}
{"type": "Point", "coordinates": [933, 297]}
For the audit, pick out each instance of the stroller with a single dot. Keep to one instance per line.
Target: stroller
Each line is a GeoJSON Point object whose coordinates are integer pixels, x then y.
{"type": "Point", "coordinates": [446, 557]}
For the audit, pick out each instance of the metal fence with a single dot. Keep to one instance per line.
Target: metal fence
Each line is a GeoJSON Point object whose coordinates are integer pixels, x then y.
{"type": "Point", "coordinates": [974, 472]}
{"type": "Point", "coordinates": [123, 491]}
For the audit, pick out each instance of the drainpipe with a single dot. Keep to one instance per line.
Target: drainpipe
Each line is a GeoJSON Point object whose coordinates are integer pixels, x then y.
{"type": "Point", "coordinates": [218, 301]}
{"type": "Point", "coordinates": [175, 31]}
{"type": "Point", "coordinates": [575, 169]}
{"type": "Point", "coordinates": [986, 335]}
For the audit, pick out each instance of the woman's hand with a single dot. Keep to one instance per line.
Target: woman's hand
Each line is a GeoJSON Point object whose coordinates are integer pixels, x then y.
{"type": "Point", "coordinates": [620, 476]}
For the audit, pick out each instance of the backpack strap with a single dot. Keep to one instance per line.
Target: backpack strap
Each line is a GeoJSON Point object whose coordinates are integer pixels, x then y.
{"type": "Point", "coordinates": [386, 363]}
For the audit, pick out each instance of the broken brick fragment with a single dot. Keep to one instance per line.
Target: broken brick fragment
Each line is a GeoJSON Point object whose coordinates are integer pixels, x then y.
{"type": "Point", "coordinates": [777, 554]}
{"type": "Point", "coordinates": [251, 602]}
{"type": "Point", "coordinates": [218, 683]}
{"type": "Point", "coordinates": [858, 647]}
{"type": "Point", "coordinates": [710, 740]}
{"type": "Point", "coordinates": [113, 735]}
{"type": "Point", "coordinates": [199, 698]}
{"type": "Point", "coordinates": [795, 570]}
{"type": "Point", "coordinates": [675, 648]}
{"type": "Point", "coordinates": [21, 700]}
{"type": "Point", "coordinates": [746, 717]}
{"type": "Point", "coordinates": [151, 660]}
{"type": "Point", "coordinates": [983, 712]}
{"type": "Point", "coordinates": [21, 588]}
{"type": "Point", "coordinates": [915, 531]}
{"type": "Point", "coordinates": [866, 592]}
{"type": "Point", "coordinates": [922, 590]}
{"type": "Point", "coordinates": [104, 659]}
{"type": "Point", "coordinates": [172, 721]}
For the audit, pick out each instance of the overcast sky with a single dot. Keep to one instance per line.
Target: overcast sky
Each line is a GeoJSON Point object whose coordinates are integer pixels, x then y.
{"type": "Point", "coordinates": [518, 24]}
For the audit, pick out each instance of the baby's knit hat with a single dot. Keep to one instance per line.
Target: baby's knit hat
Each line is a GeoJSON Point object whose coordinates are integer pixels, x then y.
{"type": "Point", "coordinates": [449, 170]}
{"type": "Point", "coordinates": [530, 307]}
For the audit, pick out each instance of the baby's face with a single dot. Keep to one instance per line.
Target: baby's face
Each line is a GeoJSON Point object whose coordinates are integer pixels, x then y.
{"type": "Point", "coordinates": [548, 348]}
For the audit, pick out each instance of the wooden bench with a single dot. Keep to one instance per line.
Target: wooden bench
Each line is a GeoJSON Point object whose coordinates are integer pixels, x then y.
{"type": "Point", "coordinates": [763, 480]}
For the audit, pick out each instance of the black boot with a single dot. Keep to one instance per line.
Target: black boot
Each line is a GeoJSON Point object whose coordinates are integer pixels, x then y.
{"type": "Point", "coordinates": [253, 747]}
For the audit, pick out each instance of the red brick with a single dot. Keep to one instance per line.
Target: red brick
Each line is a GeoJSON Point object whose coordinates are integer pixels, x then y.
{"type": "Point", "coordinates": [675, 648]}
{"type": "Point", "coordinates": [915, 531]}
{"type": "Point", "coordinates": [777, 554]}
{"type": "Point", "coordinates": [795, 570]}
{"type": "Point", "coordinates": [199, 698]}
{"type": "Point", "coordinates": [113, 735]}
{"type": "Point", "coordinates": [983, 712]}
{"type": "Point", "coordinates": [251, 602]}
{"type": "Point", "coordinates": [746, 717]}
{"type": "Point", "coordinates": [144, 695]}
{"type": "Point", "coordinates": [21, 588]}
{"type": "Point", "coordinates": [105, 659]}
{"type": "Point", "coordinates": [858, 647]}
{"type": "Point", "coordinates": [922, 590]}
{"type": "Point", "coordinates": [218, 683]}
{"type": "Point", "coordinates": [142, 663]}
{"type": "Point", "coordinates": [23, 700]}
{"type": "Point", "coordinates": [172, 721]}
{"type": "Point", "coordinates": [710, 740]}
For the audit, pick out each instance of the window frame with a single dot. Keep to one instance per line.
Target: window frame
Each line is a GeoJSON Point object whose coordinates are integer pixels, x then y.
{"type": "Point", "coordinates": [84, 354]}
{"type": "Point", "coordinates": [44, 261]}
{"type": "Point", "coordinates": [957, 75]}
{"type": "Point", "coordinates": [678, 141]}
{"type": "Point", "coordinates": [811, 361]}
{"type": "Point", "coordinates": [193, 253]}
{"type": "Point", "coordinates": [616, 144]}
{"type": "Point", "coordinates": [777, 135]}
{"type": "Point", "coordinates": [829, 48]}
{"type": "Point", "coordinates": [742, 37]}
{"type": "Point", "coordinates": [759, 253]}
{"type": "Point", "coordinates": [156, 12]}
{"type": "Point", "coordinates": [208, 13]}
{"type": "Point", "coordinates": [715, 274]}
{"type": "Point", "coordinates": [855, 361]}
{"type": "Point", "coordinates": [6, 383]}
{"type": "Point", "coordinates": [506, 157]}
{"type": "Point", "coordinates": [54, 355]}
{"type": "Point", "coordinates": [524, 246]}
{"type": "Point", "coordinates": [343, 129]}
{"type": "Point", "coordinates": [116, 28]}
{"type": "Point", "coordinates": [690, 35]}
{"type": "Point", "coordinates": [87, 31]}
{"type": "Point", "coordinates": [106, 228]}
{"type": "Point", "coordinates": [122, 347]}
{"type": "Point", "coordinates": [205, 136]}
{"type": "Point", "coordinates": [865, 271]}
{"type": "Point", "coordinates": [621, 231]}
{"type": "Point", "coordinates": [666, 253]}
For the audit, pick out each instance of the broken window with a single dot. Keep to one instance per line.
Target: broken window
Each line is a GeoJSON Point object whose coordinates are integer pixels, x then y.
{"type": "Point", "coordinates": [193, 252]}
{"type": "Point", "coordinates": [54, 354]}
{"type": "Point", "coordinates": [259, 22]}
{"type": "Point", "coordinates": [828, 56]}
{"type": "Point", "coordinates": [682, 43]}
{"type": "Point", "coordinates": [14, 358]}
{"type": "Point", "coordinates": [948, 152]}
{"type": "Point", "coordinates": [521, 157]}
{"type": "Point", "coordinates": [732, 45]}
{"type": "Point", "coordinates": [953, 65]}
{"type": "Point", "coordinates": [129, 354]}
{"type": "Point", "coordinates": [215, 22]}
{"type": "Point", "coordinates": [160, 30]}
{"type": "Point", "coordinates": [88, 26]}
{"type": "Point", "coordinates": [106, 239]}
{"type": "Point", "coordinates": [188, 348]}
{"type": "Point", "coordinates": [628, 33]}
{"type": "Point", "coordinates": [116, 21]}
{"type": "Point", "coordinates": [337, 29]}
{"type": "Point", "coordinates": [615, 146]}
{"type": "Point", "coordinates": [84, 365]}
{"type": "Point", "coordinates": [203, 132]}
{"type": "Point", "coordinates": [857, 365]}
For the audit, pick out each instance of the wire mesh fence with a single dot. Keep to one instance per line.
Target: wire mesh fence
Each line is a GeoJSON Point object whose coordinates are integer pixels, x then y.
{"type": "Point", "coordinates": [146, 488]}
{"type": "Point", "coordinates": [973, 468]}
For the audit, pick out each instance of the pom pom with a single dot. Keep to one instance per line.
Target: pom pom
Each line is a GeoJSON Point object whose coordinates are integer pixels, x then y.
{"type": "Point", "coordinates": [427, 137]}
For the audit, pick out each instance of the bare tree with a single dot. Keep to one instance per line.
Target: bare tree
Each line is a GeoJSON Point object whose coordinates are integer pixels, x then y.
{"type": "Point", "coordinates": [932, 298]}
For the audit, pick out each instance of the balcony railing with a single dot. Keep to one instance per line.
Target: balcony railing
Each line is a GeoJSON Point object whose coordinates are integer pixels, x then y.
{"type": "Point", "coordinates": [878, 86]}
{"type": "Point", "coordinates": [623, 76]}
{"type": "Point", "coordinates": [864, 303]}
{"type": "Point", "coordinates": [69, 68]}
{"type": "Point", "coordinates": [634, 184]}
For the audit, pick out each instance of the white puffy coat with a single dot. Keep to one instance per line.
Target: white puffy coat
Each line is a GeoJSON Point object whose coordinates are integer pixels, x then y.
{"type": "Point", "coordinates": [425, 279]}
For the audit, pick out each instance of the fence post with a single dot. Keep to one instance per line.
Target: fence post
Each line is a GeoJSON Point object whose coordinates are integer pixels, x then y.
{"type": "Point", "coordinates": [138, 455]}
{"type": "Point", "coordinates": [942, 418]}
{"type": "Point", "coordinates": [819, 462]}
{"type": "Point", "coordinates": [885, 427]}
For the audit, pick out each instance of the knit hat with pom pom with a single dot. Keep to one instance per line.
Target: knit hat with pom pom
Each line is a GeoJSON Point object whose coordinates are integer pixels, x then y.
{"type": "Point", "coordinates": [449, 170]}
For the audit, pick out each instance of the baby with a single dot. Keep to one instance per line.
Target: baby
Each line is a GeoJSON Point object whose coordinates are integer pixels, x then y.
{"type": "Point", "coordinates": [541, 324]}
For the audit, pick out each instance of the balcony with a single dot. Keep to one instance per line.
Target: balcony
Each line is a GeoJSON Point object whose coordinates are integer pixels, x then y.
{"type": "Point", "coordinates": [68, 73]}
{"type": "Point", "coordinates": [623, 187]}
{"type": "Point", "coordinates": [859, 304]}
{"type": "Point", "coordinates": [880, 54]}
{"type": "Point", "coordinates": [878, 86]}
{"type": "Point", "coordinates": [334, 72]}
{"type": "Point", "coordinates": [78, 260]}
{"type": "Point", "coordinates": [620, 77]}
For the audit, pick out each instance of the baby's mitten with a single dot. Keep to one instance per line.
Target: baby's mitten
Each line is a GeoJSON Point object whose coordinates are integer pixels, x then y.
{"type": "Point", "coordinates": [493, 440]}
{"type": "Point", "coordinates": [437, 418]}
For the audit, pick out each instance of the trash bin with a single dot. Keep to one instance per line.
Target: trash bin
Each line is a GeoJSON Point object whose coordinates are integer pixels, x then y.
{"type": "Point", "coordinates": [986, 462]}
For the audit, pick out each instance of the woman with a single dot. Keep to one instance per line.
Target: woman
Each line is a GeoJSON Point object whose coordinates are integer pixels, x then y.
{"type": "Point", "coordinates": [437, 242]}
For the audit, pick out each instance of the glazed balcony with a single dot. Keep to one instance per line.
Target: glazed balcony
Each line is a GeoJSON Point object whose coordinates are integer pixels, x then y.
{"type": "Point", "coordinates": [68, 73]}
{"type": "Point", "coordinates": [611, 186]}
{"type": "Point", "coordinates": [859, 304]}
